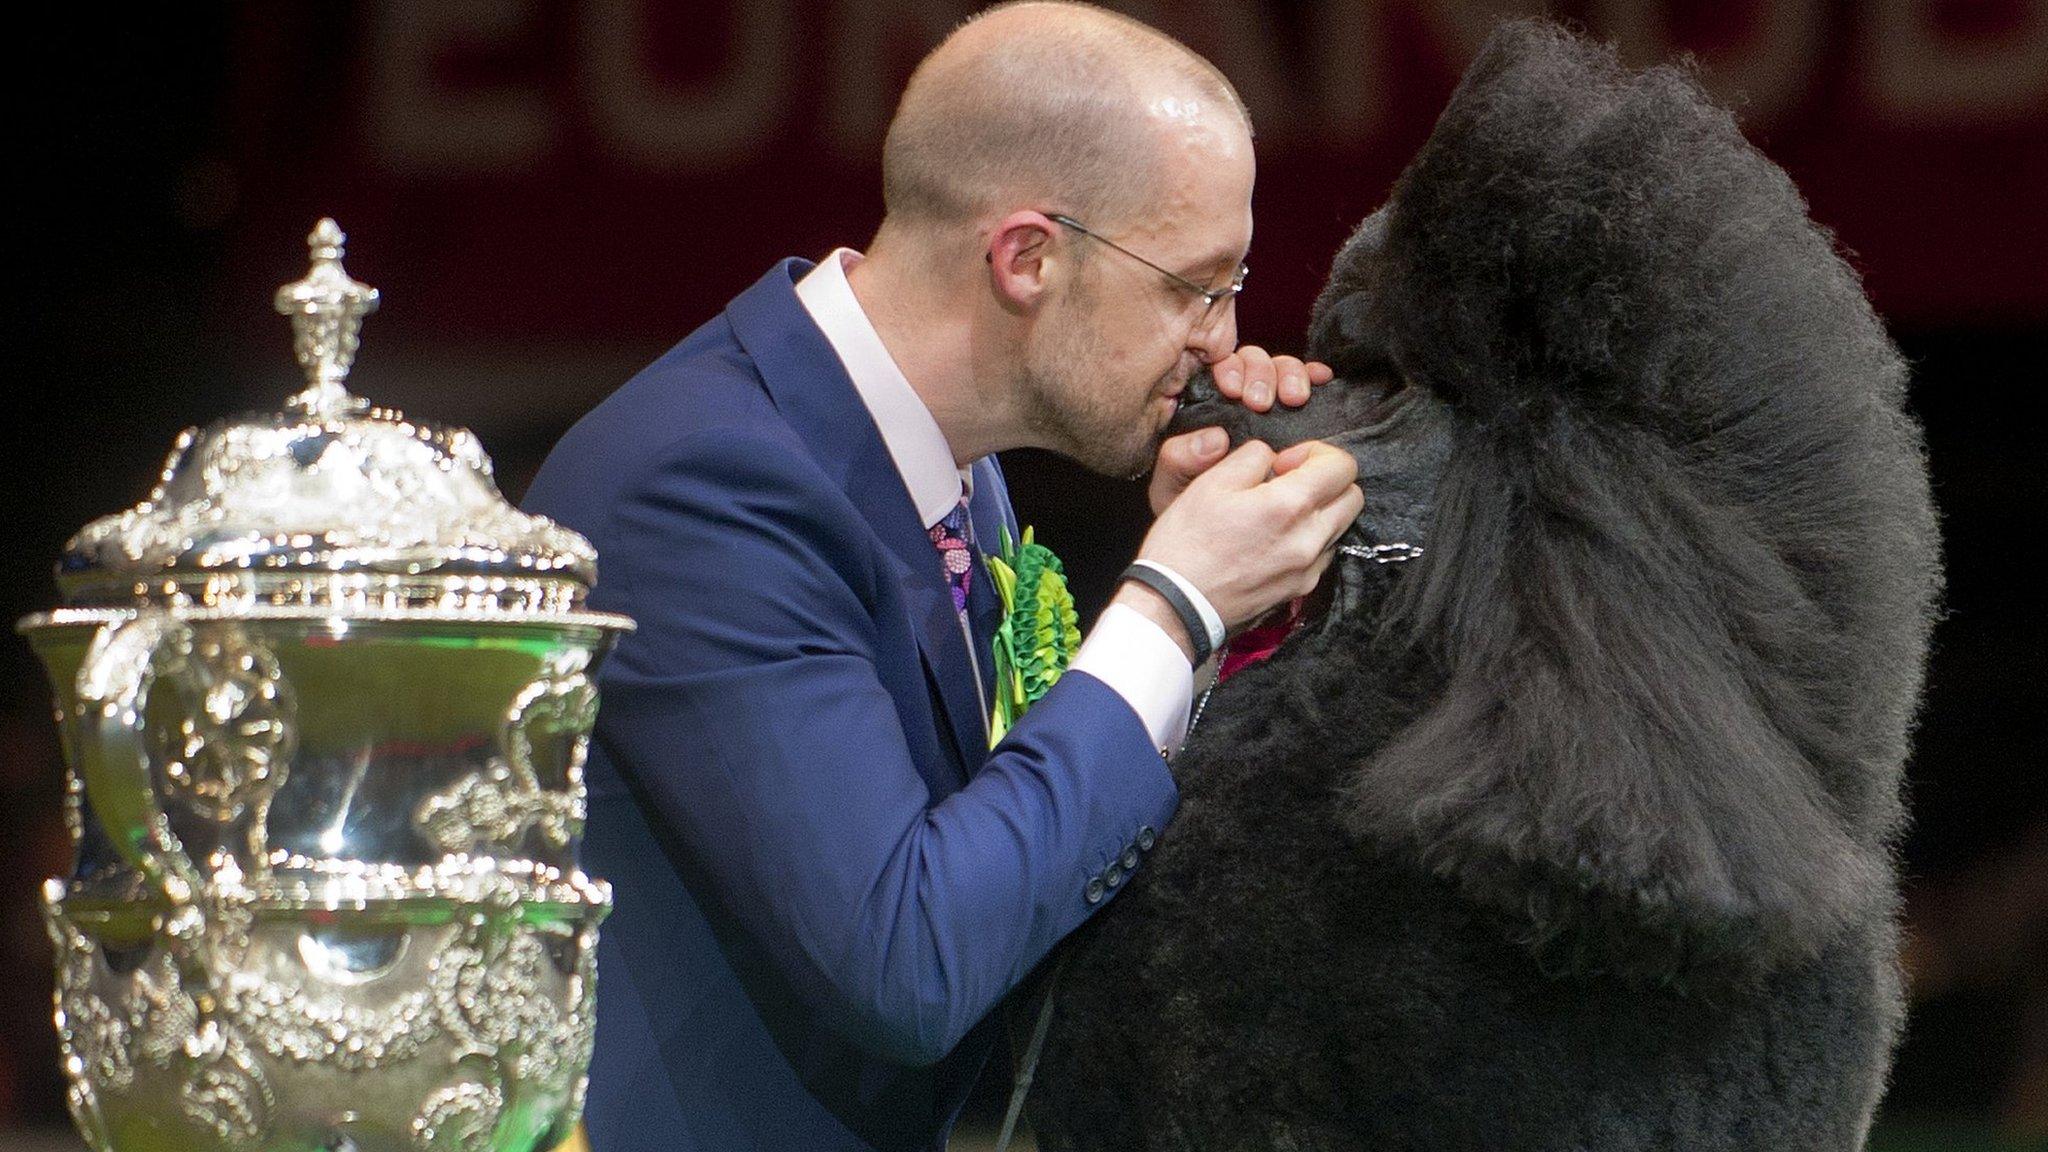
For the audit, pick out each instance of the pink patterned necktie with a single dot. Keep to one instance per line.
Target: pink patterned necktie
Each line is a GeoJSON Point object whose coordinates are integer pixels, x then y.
{"type": "Point", "coordinates": [951, 537]}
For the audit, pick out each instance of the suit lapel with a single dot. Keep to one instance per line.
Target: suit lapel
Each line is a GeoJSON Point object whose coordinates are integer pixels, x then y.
{"type": "Point", "coordinates": [990, 511]}
{"type": "Point", "coordinates": [811, 389]}
{"type": "Point", "coordinates": [984, 614]}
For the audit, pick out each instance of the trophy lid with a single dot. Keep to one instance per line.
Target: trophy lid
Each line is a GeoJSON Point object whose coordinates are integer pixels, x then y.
{"type": "Point", "coordinates": [329, 503]}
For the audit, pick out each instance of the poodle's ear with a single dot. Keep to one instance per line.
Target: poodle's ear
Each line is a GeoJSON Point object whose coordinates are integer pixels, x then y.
{"type": "Point", "coordinates": [1683, 558]}
{"type": "Point", "coordinates": [1624, 757]}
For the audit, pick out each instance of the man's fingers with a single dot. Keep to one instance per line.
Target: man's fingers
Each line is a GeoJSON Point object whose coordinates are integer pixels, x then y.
{"type": "Point", "coordinates": [1244, 374]}
{"type": "Point", "coordinates": [1256, 378]}
{"type": "Point", "coordinates": [1246, 467]}
{"type": "Point", "coordinates": [1321, 565]}
{"type": "Point", "coordinates": [1298, 376]}
{"type": "Point", "coordinates": [1321, 474]}
{"type": "Point", "coordinates": [1229, 376]}
{"type": "Point", "coordinates": [1191, 453]}
{"type": "Point", "coordinates": [1181, 459]}
{"type": "Point", "coordinates": [1291, 457]}
{"type": "Point", "coordinates": [1260, 377]}
{"type": "Point", "coordinates": [1290, 385]}
{"type": "Point", "coordinates": [1339, 514]}
{"type": "Point", "coordinates": [1295, 455]}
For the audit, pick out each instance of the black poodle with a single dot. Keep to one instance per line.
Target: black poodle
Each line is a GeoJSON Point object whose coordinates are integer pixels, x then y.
{"type": "Point", "coordinates": [1575, 831]}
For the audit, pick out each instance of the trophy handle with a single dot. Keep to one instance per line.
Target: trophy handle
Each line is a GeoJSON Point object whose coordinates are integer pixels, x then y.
{"type": "Point", "coordinates": [113, 696]}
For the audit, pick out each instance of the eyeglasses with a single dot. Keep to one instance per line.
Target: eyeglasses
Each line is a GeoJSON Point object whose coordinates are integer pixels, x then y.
{"type": "Point", "coordinates": [1211, 297]}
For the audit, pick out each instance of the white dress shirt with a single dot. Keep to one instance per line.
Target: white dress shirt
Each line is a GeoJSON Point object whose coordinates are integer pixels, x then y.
{"type": "Point", "coordinates": [1125, 649]}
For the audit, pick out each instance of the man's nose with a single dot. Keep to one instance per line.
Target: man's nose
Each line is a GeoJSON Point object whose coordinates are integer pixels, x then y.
{"type": "Point", "coordinates": [1216, 336]}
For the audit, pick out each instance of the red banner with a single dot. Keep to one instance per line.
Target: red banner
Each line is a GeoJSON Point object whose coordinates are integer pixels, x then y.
{"type": "Point", "coordinates": [520, 173]}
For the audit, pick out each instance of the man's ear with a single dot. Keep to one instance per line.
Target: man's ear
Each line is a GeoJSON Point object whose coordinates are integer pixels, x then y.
{"type": "Point", "coordinates": [1021, 259]}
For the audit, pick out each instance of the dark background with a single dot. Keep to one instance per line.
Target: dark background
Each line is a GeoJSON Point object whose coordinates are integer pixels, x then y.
{"type": "Point", "coordinates": [549, 193]}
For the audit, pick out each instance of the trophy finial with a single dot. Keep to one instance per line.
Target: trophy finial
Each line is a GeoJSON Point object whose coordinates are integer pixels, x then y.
{"type": "Point", "coordinates": [326, 310]}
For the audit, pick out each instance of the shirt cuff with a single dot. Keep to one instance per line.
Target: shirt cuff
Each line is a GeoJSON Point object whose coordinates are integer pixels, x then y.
{"type": "Point", "coordinates": [1141, 663]}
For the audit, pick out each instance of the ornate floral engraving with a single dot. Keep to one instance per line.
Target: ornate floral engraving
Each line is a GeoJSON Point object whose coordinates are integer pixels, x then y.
{"type": "Point", "coordinates": [497, 804]}
{"type": "Point", "coordinates": [92, 1040]}
{"type": "Point", "coordinates": [519, 996]}
{"type": "Point", "coordinates": [492, 997]}
{"type": "Point", "coordinates": [285, 1021]}
{"type": "Point", "coordinates": [228, 753]}
{"type": "Point", "coordinates": [497, 994]}
{"type": "Point", "coordinates": [84, 1106]}
{"type": "Point", "coordinates": [494, 806]}
{"type": "Point", "coordinates": [459, 1118]}
{"type": "Point", "coordinates": [295, 1020]}
{"type": "Point", "coordinates": [146, 1020]}
{"type": "Point", "coordinates": [102, 1041]}
{"type": "Point", "coordinates": [579, 1033]}
{"type": "Point", "coordinates": [225, 1092]}
{"type": "Point", "coordinates": [160, 1015]}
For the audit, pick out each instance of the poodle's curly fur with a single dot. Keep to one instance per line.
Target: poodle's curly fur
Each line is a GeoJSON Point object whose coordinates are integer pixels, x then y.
{"type": "Point", "coordinates": [1577, 832]}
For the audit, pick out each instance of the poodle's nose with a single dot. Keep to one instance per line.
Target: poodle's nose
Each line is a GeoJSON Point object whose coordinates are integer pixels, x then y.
{"type": "Point", "coordinates": [1198, 406]}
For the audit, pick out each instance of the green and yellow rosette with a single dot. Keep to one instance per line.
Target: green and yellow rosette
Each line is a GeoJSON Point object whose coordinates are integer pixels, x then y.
{"type": "Point", "coordinates": [1039, 632]}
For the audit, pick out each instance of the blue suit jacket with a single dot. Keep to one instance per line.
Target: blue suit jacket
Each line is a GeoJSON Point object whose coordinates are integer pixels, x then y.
{"type": "Point", "coordinates": [823, 879]}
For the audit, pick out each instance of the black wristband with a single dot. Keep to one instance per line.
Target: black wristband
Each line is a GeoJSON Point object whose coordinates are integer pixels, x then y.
{"type": "Point", "coordinates": [1190, 620]}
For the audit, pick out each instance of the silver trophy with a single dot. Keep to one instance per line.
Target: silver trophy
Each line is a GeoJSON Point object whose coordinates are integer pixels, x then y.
{"type": "Point", "coordinates": [325, 698]}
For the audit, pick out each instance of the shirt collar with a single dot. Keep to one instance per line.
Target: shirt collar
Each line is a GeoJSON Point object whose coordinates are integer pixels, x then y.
{"type": "Point", "coordinates": [913, 438]}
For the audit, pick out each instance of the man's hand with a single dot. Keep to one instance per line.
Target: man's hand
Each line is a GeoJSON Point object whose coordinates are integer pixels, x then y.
{"type": "Point", "coordinates": [1252, 377]}
{"type": "Point", "coordinates": [1255, 378]}
{"type": "Point", "coordinates": [1181, 459]}
{"type": "Point", "coordinates": [1252, 531]}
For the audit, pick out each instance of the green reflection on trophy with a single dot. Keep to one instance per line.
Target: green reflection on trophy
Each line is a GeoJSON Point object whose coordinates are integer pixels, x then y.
{"type": "Point", "coordinates": [325, 698]}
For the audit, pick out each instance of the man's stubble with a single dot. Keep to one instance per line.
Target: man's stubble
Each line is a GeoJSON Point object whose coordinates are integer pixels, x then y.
{"type": "Point", "coordinates": [1100, 424]}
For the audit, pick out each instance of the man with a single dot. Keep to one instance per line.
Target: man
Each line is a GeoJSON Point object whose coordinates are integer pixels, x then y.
{"type": "Point", "coordinates": [824, 878]}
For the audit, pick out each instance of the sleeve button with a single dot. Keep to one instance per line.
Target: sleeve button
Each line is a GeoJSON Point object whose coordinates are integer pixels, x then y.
{"type": "Point", "coordinates": [1146, 838]}
{"type": "Point", "coordinates": [1095, 890]}
{"type": "Point", "coordinates": [1130, 860]}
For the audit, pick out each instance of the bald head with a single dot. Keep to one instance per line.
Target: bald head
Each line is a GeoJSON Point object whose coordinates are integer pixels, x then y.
{"type": "Point", "coordinates": [1055, 106]}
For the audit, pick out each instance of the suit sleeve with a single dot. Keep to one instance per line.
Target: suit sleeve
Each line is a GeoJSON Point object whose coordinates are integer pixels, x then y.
{"type": "Point", "coordinates": [748, 711]}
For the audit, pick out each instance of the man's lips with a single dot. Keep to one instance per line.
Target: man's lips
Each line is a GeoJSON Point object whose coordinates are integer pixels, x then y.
{"type": "Point", "coordinates": [1182, 380]}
